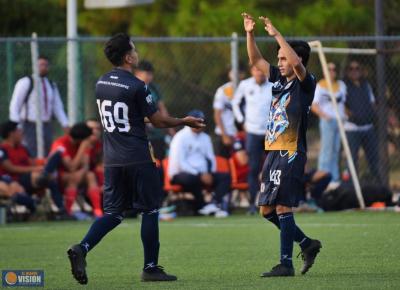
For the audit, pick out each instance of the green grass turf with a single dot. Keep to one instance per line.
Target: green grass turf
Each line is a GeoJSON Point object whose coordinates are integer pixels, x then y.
{"type": "Point", "coordinates": [360, 251]}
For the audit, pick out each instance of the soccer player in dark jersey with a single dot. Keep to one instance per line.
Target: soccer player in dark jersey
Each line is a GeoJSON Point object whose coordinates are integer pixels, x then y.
{"type": "Point", "coordinates": [131, 177]}
{"type": "Point", "coordinates": [285, 142]}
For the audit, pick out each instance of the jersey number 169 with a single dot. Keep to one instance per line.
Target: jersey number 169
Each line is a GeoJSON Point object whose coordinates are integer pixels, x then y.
{"type": "Point", "coordinates": [114, 115]}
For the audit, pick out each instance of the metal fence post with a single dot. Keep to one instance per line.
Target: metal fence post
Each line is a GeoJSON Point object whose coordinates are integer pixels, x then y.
{"type": "Point", "coordinates": [382, 111]}
{"type": "Point", "coordinates": [10, 68]}
{"type": "Point", "coordinates": [235, 59]}
{"type": "Point", "coordinates": [72, 52]}
{"type": "Point", "coordinates": [80, 97]}
{"type": "Point", "coordinates": [38, 95]}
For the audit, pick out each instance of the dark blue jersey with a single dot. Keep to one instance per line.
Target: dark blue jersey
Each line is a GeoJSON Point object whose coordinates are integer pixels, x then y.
{"type": "Point", "coordinates": [288, 115]}
{"type": "Point", "coordinates": [123, 101]}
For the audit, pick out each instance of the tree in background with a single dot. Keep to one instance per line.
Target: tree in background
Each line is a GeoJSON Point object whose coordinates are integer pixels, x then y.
{"type": "Point", "coordinates": [197, 17]}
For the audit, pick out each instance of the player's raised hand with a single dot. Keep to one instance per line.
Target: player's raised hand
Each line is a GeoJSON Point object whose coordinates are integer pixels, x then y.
{"type": "Point", "coordinates": [194, 122]}
{"type": "Point", "coordinates": [272, 31]}
{"type": "Point", "coordinates": [248, 22]}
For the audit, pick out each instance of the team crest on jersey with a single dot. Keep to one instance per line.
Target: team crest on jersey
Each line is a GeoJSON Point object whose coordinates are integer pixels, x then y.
{"type": "Point", "coordinates": [277, 85]}
{"type": "Point", "coordinates": [149, 99]}
{"type": "Point", "coordinates": [278, 120]}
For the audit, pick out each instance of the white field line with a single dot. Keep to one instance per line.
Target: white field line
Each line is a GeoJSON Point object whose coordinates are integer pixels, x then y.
{"type": "Point", "coordinates": [219, 225]}
{"type": "Point", "coordinates": [247, 225]}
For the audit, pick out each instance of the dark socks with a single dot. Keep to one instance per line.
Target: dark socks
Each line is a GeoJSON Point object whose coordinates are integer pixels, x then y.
{"type": "Point", "coordinates": [26, 200]}
{"type": "Point", "coordinates": [288, 229]}
{"type": "Point", "coordinates": [150, 239]}
{"type": "Point", "coordinates": [299, 236]}
{"type": "Point", "coordinates": [273, 218]}
{"type": "Point", "coordinates": [99, 229]}
{"type": "Point", "coordinates": [56, 195]}
{"type": "Point", "coordinates": [52, 162]}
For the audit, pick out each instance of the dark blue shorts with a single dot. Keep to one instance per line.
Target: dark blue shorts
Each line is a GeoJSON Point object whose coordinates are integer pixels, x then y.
{"type": "Point", "coordinates": [6, 178]}
{"type": "Point", "coordinates": [135, 186]}
{"type": "Point", "coordinates": [282, 179]}
{"type": "Point", "coordinates": [25, 179]}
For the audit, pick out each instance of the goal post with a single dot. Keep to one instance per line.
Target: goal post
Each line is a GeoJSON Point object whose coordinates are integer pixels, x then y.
{"type": "Point", "coordinates": [317, 46]}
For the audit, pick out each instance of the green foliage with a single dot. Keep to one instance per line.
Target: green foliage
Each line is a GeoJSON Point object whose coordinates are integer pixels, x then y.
{"type": "Point", "coordinates": [22, 17]}
{"type": "Point", "coordinates": [197, 17]}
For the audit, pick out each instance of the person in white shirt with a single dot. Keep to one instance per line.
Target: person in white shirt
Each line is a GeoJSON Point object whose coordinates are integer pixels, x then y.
{"type": "Point", "coordinates": [257, 94]}
{"type": "Point", "coordinates": [22, 107]}
{"type": "Point", "coordinates": [225, 127]}
{"type": "Point", "coordinates": [329, 154]}
{"type": "Point", "coordinates": [192, 165]}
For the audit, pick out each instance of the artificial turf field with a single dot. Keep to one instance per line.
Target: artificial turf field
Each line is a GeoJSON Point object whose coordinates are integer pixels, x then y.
{"type": "Point", "coordinates": [360, 251]}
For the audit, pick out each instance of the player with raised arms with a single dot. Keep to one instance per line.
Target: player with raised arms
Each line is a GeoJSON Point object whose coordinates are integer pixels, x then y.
{"type": "Point", "coordinates": [131, 177]}
{"type": "Point", "coordinates": [285, 142]}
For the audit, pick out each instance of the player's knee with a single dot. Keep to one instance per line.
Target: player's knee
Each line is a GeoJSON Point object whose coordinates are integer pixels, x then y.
{"type": "Point", "coordinates": [281, 209]}
{"type": "Point", "coordinates": [266, 210]}
{"type": "Point", "coordinates": [117, 216]}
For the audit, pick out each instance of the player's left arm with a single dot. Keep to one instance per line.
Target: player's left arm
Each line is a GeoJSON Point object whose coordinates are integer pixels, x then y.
{"type": "Point", "coordinates": [293, 59]}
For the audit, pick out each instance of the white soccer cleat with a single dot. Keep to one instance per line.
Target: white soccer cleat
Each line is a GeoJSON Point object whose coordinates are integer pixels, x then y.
{"type": "Point", "coordinates": [221, 214]}
{"type": "Point", "coordinates": [209, 209]}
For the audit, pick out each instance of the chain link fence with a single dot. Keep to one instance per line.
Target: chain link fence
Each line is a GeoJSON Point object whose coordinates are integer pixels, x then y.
{"type": "Point", "coordinates": [189, 70]}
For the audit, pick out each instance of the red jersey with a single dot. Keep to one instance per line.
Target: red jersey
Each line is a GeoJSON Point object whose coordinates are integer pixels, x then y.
{"type": "Point", "coordinates": [95, 154]}
{"type": "Point", "coordinates": [18, 155]}
{"type": "Point", "coordinates": [66, 146]}
{"type": "Point", "coordinates": [238, 145]}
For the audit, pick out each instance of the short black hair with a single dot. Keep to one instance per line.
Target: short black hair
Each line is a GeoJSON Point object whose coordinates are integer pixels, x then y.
{"type": "Point", "coordinates": [350, 61]}
{"type": "Point", "coordinates": [117, 47]}
{"type": "Point", "coordinates": [145, 65]}
{"type": "Point", "coordinates": [301, 48]}
{"type": "Point", "coordinates": [7, 128]}
{"type": "Point", "coordinates": [93, 119]}
{"type": "Point", "coordinates": [42, 56]}
{"type": "Point", "coordinates": [80, 131]}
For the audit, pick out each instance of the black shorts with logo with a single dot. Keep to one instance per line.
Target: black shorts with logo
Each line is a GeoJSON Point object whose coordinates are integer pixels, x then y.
{"type": "Point", "coordinates": [282, 178]}
{"type": "Point", "coordinates": [135, 186]}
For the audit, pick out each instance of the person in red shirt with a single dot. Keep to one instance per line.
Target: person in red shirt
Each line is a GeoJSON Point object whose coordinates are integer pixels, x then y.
{"type": "Point", "coordinates": [75, 164]}
{"type": "Point", "coordinates": [16, 162]}
{"type": "Point", "coordinates": [96, 152]}
{"type": "Point", "coordinates": [10, 189]}
{"type": "Point", "coordinates": [240, 157]}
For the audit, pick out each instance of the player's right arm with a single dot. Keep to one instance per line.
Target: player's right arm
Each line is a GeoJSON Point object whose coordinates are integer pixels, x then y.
{"type": "Point", "coordinates": [17, 99]}
{"type": "Point", "coordinates": [80, 159]}
{"type": "Point", "coordinates": [160, 121]}
{"type": "Point", "coordinates": [254, 53]}
{"type": "Point", "coordinates": [12, 168]}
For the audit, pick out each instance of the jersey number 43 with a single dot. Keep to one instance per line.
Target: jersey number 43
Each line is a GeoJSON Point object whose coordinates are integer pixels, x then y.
{"type": "Point", "coordinates": [114, 116]}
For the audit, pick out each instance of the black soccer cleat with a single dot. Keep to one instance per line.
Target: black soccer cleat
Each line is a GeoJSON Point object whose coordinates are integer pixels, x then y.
{"type": "Point", "coordinates": [279, 270]}
{"type": "Point", "coordinates": [156, 273]}
{"type": "Point", "coordinates": [77, 257]}
{"type": "Point", "coordinates": [309, 254]}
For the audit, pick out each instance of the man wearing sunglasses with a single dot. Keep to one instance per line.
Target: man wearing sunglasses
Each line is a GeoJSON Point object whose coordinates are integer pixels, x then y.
{"type": "Point", "coordinates": [360, 111]}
